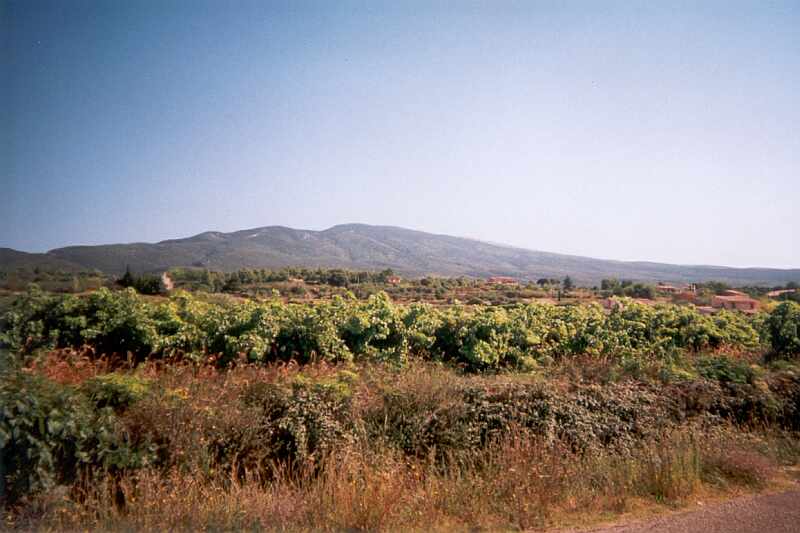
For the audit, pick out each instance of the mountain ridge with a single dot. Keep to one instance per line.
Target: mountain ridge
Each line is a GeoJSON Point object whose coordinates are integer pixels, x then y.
{"type": "Point", "coordinates": [367, 247]}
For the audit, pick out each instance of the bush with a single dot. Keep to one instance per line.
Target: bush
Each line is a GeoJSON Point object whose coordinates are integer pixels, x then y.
{"type": "Point", "coordinates": [784, 329]}
{"type": "Point", "coordinates": [115, 390]}
{"type": "Point", "coordinates": [120, 322]}
{"type": "Point", "coordinates": [48, 432]}
{"type": "Point", "coordinates": [144, 284]}
{"type": "Point", "coordinates": [725, 370]}
{"type": "Point", "coordinates": [462, 420]}
{"type": "Point", "coordinates": [785, 385]}
{"type": "Point", "coordinates": [30, 324]}
{"type": "Point", "coordinates": [300, 424]}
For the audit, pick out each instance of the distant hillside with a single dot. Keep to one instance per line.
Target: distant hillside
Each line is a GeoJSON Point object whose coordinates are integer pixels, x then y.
{"type": "Point", "coordinates": [11, 260]}
{"type": "Point", "coordinates": [359, 246]}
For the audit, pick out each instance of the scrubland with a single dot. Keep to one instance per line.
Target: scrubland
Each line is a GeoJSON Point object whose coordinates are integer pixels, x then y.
{"type": "Point", "coordinates": [199, 412]}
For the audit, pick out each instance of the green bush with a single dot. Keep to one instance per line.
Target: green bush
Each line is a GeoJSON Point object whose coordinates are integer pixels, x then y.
{"type": "Point", "coordinates": [120, 322]}
{"type": "Point", "coordinates": [785, 385]}
{"type": "Point", "coordinates": [48, 432]}
{"type": "Point", "coordinates": [784, 329]}
{"type": "Point", "coordinates": [115, 390]}
{"type": "Point", "coordinates": [32, 321]}
{"type": "Point", "coordinates": [302, 422]}
{"type": "Point", "coordinates": [724, 369]}
{"type": "Point", "coordinates": [464, 420]}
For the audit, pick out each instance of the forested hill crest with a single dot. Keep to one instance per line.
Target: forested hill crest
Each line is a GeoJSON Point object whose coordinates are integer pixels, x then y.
{"type": "Point", "coordinates": [366, 247]}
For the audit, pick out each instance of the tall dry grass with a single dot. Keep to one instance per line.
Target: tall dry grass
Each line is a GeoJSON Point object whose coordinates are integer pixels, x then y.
{"type": "Point", "coordinates": [517, 483]}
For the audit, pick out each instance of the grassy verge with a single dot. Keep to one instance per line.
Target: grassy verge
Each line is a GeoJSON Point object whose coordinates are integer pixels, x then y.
{"type": "Point", "coordinates": [374, 447]}
{"type": "Point", "coordinates": [517, 483]}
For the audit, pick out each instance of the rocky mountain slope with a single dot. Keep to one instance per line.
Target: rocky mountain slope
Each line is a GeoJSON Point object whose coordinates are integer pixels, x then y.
{"type": "Point", "coordinates": [360, 246]}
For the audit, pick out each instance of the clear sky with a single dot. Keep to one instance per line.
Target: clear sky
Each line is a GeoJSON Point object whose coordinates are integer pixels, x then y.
{"type": "Point", "coordinates": [663, 131]}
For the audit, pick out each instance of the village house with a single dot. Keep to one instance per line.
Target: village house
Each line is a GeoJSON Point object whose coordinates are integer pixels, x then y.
{"type": "Point", "coordinates": [667, 289]}
{"type": "Point", "coordinates": [686, 296]}
{"type": "Point", "coordinates": [501, 280]}
{"type": "Point", "coordinates": [613, 303]}
{"type": "Point", "coordinates": [394, 280]}
{"type": "Point", "coordinates": [731, 292]}
{"type": "Point", "coordinates": [736, 302]}
{"type": "Point", "coordinates": [776, 294]}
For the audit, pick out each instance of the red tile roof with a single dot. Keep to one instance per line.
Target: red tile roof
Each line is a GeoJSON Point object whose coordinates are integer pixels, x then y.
{"type": "Point", "coordinates": [737, 298]}
{"type": "Point", "coordinates": [772, 294]}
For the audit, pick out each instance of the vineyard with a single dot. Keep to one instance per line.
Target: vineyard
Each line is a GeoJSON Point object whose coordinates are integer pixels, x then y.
{"type": "Point", "coordinates": [476, 338]}
{"type": "Point", "coordinates": [205, 411]}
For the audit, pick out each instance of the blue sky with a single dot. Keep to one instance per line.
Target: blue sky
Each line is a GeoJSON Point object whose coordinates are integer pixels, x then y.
{"type": "Point", "coordinates": [662, 131]}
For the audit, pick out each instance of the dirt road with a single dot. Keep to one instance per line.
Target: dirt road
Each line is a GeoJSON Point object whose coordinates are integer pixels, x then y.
{"type": "Point", "coordinates": [769, 513]}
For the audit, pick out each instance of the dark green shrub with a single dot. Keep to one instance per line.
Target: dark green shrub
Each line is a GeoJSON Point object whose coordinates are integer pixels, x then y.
{"type": "Point", "coordinates": [29, 324]}
{"type": "Point", "coordinates": [49, 431]}
{"type": "Point", "coordinates": [473, 417]}
{"type": "Point", "coordinates": [144, 284]}
{"type": "Point", "coordinates": [724, 369]}
{"type": "Point", "coordinates": [300, 423]}
{"type": "Point", "coordinates": [785, 385]}
{"type": "Point", "coordinates": [745, 403]}
{"type": "Point", "coordinates": [149, 284]}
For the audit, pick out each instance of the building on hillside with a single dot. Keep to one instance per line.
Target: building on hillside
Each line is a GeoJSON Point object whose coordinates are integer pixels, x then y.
{"type": "Point", "coordinates": [612, 303]}
{"type": "Point", "coordinates": [735, 302]}
{"type": "Point", "coordinates": [667, 289]}
{"type": "Point", "coordinates": [731, 292]}
{"type": "Point", "coordinates": [686, 296]}
{"type": "Point", "coordinates": [394, 280]}
{"type": "Point", "coordinates": [502, 280]}
{"type": "Point", "coordinates": [778, 293]}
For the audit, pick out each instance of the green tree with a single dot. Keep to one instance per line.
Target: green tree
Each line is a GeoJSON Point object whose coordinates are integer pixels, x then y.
{"type": "Point", "coordinates": [149, 285]}
{"type": "Point", "coordinates": [127, 279]}
{"type": "Point", "coordinates": [384, 275]}
{"type": "Point", "coordinates": [338, 278]}
{"type": "Point", "coordinates": [609, 284]}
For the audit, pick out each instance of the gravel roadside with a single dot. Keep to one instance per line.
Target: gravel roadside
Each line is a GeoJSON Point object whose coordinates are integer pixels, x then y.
{"type": "Point", "coordinates": [766, 513]}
